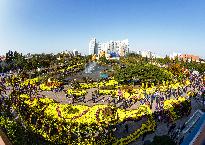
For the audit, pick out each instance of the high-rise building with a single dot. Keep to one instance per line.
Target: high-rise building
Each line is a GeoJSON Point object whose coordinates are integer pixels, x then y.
{"type": "Point", "coordinates": [147, 54]}
{"type": "Point", "coordinates": [93, 46]}
{"type": "Point", "coordinates": [111, 48]}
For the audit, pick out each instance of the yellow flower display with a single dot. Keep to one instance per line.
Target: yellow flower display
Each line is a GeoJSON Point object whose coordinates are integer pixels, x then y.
{"type": "Point", "coordinates": [99, 115]}
{"type": "Point", "coordinates": [170, 104]}
{"type": "Point", "coordinates": [44, 87]}
{"type": "Point", "coordinates": [77, 92]}
{"type": "Point", "coordinates": [30, 81]}
{"type": "Point", "coordinates": [49, 85]}
{"type": "Point", "coordinates": [82, 118]}
{"type": "Point", "coordinates": [187, 82]}
{"type": "Point", "coordinates": [74, 66]}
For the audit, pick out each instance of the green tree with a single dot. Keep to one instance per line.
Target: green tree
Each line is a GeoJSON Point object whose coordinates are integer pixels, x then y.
{"type": "Point", "coordinates": [103, 59]}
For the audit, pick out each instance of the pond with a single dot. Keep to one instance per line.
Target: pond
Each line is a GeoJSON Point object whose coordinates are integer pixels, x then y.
{"type": "Point", "coordinates": [94, 67]}
{"type": "Point", "coordinates": [92, 70]}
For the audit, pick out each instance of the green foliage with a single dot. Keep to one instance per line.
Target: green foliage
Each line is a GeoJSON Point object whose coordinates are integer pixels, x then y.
{"type": "Point", "coordinates": [103, 60]}
{"type": "Point", "coordinates": [134, 55]}
{"type": "Point", "coordinates": [175, 69]}
{"type": "Point", "coordinates": [18, 135]}
{"type": "Point", "coordinates": [144, 72]}
{"type": "Point", "coordinates": [142, 68]}
{"type": "Point", "coordinates": [15, 60]}
{"type": "Point", "coordinates": [183, 109]}
{"type": "Point", "coordinates": [194, 66]}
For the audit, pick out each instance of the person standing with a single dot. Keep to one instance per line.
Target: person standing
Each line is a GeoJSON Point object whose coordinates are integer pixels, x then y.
{"type": "Point", "coordinates": [119, 95]}
{"type": "Point", "coordinates": [73, 98]}
{"type": "Point", "coordinates": [152, 98]}
{"type": "Point", "coordinates": [109, 99]}
{"type": "Point", "coordinates": [157, 99]}
{"type": "Point", "coordinates": [93, 97]}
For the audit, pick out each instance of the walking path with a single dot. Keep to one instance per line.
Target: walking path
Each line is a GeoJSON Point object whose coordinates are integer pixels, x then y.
{"type": "Point", "coordinates": [162, 128]}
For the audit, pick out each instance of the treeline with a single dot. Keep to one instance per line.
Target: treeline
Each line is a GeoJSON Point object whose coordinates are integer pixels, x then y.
{"type": "Point", "coordinates": [134, 67]}
{"type": "Point", "coordinates": [16, 61]}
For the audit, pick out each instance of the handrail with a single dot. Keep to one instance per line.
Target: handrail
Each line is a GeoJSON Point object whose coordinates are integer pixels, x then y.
{"type": "Point", "coordinates": [184, 131]}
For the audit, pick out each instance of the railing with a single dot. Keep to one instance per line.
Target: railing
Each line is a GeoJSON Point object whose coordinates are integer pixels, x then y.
{"type": "Point", "coordinates": [192, 120]}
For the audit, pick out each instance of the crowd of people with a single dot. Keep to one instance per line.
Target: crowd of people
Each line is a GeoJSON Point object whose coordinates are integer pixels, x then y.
{"type": "Point", "coordinates": [155, 100]}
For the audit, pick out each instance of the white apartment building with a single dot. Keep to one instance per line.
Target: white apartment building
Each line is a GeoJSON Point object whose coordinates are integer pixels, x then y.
{"type": "Point", "coordinates": [174, 54]}
{"type": "Point", "coordinates": [147, 54]}
{"type": "Point", "coordinates": [119, 48]}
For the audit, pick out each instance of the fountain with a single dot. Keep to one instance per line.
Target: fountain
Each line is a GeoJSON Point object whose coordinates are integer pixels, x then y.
{"type": "Point", "coordinates": [90, 68]}
{"type": "Point", "coordinates": [93, 70]}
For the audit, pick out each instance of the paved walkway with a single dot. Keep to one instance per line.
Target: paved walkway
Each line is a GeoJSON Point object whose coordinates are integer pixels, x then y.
{"type": "Point", "coordinates": [103, 99]}
{"type": "Point", "coordinates": [162, 128]}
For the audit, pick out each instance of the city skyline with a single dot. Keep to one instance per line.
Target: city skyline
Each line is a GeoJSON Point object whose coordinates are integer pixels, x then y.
{"type": "Point", "coordinates": [53, 26]}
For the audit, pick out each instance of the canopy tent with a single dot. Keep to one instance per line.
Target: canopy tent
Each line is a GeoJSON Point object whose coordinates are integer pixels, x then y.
{"type": "Point", "coordinates": [114, 54]}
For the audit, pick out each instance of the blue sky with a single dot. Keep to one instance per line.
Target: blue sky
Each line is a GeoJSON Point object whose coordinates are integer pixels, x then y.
{"type": "Point", "coordinates": [162, 26]}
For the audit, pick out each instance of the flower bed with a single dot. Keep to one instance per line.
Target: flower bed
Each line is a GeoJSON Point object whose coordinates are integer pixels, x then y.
{"type": "Point", "coordinates": [77, 92]}
{"type": "Point", "coordinates": [88, 85]}
{"type": "Point", "coordinates": [109, 83]}
{"type": "Point", "coordinates": [51, 120]}
{"type": "Point", "coordinates": [30, 81]}
{"type": "Point", "coordinates": [69, 68]}
{"type": "Point", "coordinates": [126, 95]}
{"type": "Point", "coordinates": [49, 86]}
{"type": "Point", "coordinates": [145, 128]}
{"type": "Point", "coordinates": [177, 107]}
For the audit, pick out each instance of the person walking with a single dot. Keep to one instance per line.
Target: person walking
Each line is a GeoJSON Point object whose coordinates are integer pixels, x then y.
{"type": "Point", "coordinates": [93, 97]}
{"type": "Point", "coordinates": [157, 100]}
{"type": "Point", "coordinates": [109, 99]}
